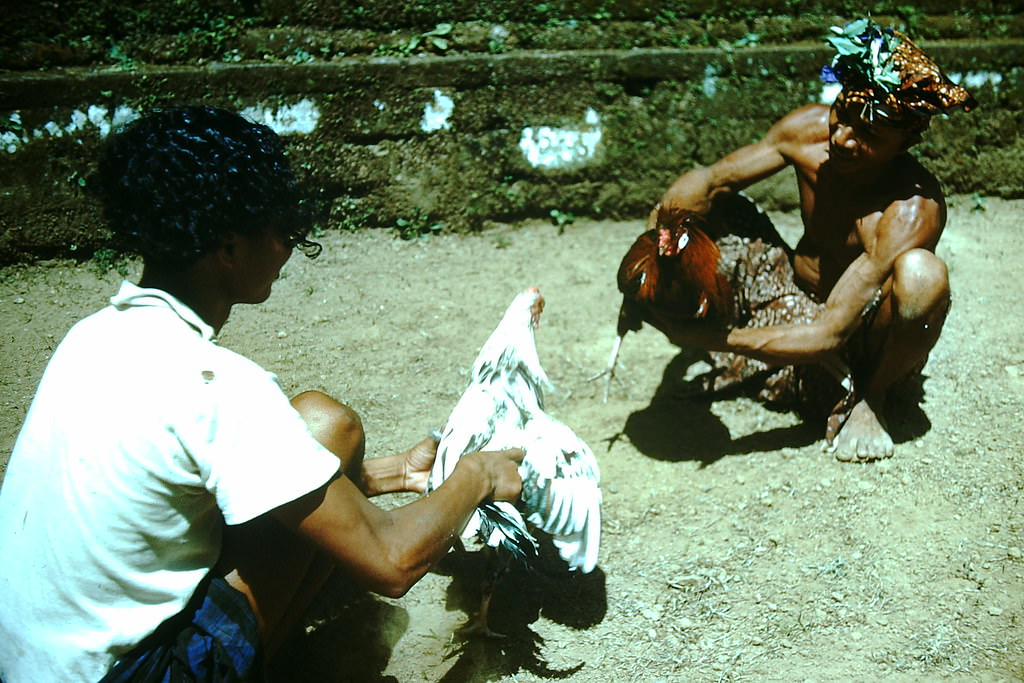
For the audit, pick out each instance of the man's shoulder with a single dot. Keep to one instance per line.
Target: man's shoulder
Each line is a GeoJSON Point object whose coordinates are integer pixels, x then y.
{"type": "Point", "coordinates": [806, 125]}
{"type": "Point", "coordinates": [911, 185]}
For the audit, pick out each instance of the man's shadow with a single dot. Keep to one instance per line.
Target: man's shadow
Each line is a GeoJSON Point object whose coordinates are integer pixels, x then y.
{"type": "Point", "coordinates": [347, 636]}
{"type": "Point", "coordinates": [522, 595]}
{"type": "Point", "coordinates": [349, 633]}
{"type": "Point", "coordinates": [678, 424]}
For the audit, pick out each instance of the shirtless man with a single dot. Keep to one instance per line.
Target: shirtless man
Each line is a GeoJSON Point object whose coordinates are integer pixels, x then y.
{"type": "Point", "coordinates": [872, 217]}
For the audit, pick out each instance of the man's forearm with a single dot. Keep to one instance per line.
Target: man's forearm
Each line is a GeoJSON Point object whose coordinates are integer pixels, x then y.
{"type": "Point", "coordinates": [777, 345]}
{"type": "Point", "coordinates": [780, 345]}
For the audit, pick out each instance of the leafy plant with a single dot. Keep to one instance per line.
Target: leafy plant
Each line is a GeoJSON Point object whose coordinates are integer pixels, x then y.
{"type": "Point", "coordinates": [436, 39]}
{"type": "Point", "coordinates": [417, 226]}
{"type": "Point", "coordinates": [121, 58]}
{"type": "Point", "coordinates": [106, 259]}
{"type": "Point", "coordinates": [561, 219]}
{"type": "Point", "coordinates": [350, 214]}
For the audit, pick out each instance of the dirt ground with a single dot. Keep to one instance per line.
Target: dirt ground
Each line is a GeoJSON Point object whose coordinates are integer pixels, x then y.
{"type": "Point", "coordinates": [733, 548]}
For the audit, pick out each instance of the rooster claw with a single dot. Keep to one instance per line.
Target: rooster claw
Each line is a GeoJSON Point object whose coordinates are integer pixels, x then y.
{"type": "Point", "coordinates": [478, 628]}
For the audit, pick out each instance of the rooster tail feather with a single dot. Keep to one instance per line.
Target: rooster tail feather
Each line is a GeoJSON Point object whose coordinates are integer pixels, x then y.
{"type": "Point", "coordinates": [501, 524]}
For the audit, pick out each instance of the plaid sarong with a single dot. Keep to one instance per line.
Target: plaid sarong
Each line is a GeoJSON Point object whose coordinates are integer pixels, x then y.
{"type": "Point", "coordinates": [218, 640]}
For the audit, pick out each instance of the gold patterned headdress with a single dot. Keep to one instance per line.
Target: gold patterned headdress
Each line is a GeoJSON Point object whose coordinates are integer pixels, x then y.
{"type": "Point", "coordinates": [889, 75]}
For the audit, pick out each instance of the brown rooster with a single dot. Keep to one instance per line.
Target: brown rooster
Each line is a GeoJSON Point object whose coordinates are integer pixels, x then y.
{"type": "Point", "coordinates": [672, 270]}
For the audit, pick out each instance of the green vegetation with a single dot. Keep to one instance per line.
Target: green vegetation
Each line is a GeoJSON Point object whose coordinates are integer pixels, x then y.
{"type": "Point", "coordinates": [419, 225]}
{"type": "Point", "coordinates": [436, 39]}
{"type": "Point", "coordinates": [561, 219]}
{"type": "Point", "coordinates": [106, 259]}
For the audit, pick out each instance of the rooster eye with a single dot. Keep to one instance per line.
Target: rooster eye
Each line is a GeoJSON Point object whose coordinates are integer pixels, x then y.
{"type": "Point", "coordinates": [683, 241]}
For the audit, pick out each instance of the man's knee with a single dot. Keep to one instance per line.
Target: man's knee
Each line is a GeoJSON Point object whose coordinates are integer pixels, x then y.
{"type": "Point", "coordinates": [921, 285]}
{"type": "Point", "coordinates": [333, 424]}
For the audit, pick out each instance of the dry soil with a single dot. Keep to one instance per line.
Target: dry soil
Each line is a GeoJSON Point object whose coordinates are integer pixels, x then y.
{"type": "Point", "coordinates": [733, 548]}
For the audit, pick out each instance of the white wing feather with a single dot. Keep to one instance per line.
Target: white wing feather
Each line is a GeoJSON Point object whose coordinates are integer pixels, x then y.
{"type": "Point", "coordinates": [502, 408]}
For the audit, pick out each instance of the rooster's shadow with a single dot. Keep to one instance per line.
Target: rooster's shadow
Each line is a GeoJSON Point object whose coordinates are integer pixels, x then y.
{"type": "Point", "coordinates": [522, 595]}
{"type": "Point", "coordinates": [678, 424]}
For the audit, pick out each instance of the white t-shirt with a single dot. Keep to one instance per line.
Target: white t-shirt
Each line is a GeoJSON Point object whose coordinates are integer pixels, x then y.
{"type": "Point", "coordinates": [143, 439]}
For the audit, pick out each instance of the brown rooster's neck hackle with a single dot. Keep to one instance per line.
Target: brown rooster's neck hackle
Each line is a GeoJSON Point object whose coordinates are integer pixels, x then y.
{"type": "Point", "coordinates": [676, 266]}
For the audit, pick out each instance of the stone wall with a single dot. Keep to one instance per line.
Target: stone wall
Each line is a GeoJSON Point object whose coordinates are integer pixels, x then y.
{"type": "Point", "coordinates": [452, 114]}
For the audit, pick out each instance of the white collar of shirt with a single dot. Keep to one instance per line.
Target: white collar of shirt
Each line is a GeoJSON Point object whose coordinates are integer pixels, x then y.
{"type": "Point", "coordinates": [131, 295]}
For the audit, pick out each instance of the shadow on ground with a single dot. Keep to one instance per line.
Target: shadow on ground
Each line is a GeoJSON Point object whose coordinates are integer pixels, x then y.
{"type": "Point", "coordinates": [348, 639]}
{"type": "Point", "coordinates": [351, 635]}
{"type": "Point", "coordinates": [678, 424]}
{"type": "Point", "coordinates": [524, 594]}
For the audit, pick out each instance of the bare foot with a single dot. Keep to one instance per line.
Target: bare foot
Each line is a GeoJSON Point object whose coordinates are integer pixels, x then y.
{"type": "Point", "coordinates": [863, 437]}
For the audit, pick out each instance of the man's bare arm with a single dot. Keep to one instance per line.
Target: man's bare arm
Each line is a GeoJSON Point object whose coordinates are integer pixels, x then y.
{"type": "Point", "coordinates": [387, 551]}
{"type": "Point", "coordinates": [695, 189]}
{"type": "Point", "coordinates": [905, 225]}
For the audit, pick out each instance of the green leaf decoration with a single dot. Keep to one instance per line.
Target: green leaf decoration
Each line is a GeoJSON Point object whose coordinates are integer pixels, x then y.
{"type": "Point", "coordinates": [864, 50]}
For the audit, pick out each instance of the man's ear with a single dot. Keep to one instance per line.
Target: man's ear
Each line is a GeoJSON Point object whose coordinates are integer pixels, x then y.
{"type": "Point", "coordinates": [227, 252]}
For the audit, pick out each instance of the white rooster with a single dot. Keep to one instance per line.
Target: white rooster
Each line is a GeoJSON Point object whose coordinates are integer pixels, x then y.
{"type": "Point", "coordinates": [503, 407]}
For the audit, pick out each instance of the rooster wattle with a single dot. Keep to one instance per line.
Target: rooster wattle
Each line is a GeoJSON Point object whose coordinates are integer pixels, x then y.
{"type": "Point", "coordinates": [503, 407]}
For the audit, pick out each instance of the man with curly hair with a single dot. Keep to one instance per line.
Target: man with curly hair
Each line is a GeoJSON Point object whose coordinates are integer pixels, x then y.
{"type": "Point", "coordinates": [860, 302]}
{"type": "Point", "coordinates": [167, 513]}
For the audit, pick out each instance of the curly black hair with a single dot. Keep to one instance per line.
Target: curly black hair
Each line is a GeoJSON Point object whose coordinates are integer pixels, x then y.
{"type": "Point", "coordinates": [176, 181]}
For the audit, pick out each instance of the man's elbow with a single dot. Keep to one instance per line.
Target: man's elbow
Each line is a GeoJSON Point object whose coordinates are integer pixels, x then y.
{"type": "Point", "coordinates": [399, 576]}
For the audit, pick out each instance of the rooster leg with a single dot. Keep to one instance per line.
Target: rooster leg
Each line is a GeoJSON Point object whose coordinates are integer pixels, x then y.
{"type": "Point", "coordinates": [609, 372]}
{"type": "Point", "coordinates": [497, 565]}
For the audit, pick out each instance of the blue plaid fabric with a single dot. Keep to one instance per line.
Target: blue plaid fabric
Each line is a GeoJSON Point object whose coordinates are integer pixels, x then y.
{"type": "Point", "coordinates": [218, 641]}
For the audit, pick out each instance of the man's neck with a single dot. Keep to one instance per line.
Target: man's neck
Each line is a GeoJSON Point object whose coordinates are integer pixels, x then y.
{"type": "Point", "coordinates": [865, 179]}
{"type": "Point", "coordinates": [194, 288]}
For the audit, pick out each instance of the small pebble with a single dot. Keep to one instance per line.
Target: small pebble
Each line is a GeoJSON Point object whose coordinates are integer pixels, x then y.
{"type": "Point", "coordinates": [19, 300]}
{"type": "Point", "coordinates": [282, 334]}
{"type": "Point", "coordinates": [995, 611]}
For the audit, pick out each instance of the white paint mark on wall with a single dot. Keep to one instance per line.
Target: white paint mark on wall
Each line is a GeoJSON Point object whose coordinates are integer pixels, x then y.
{"type": "Point", "coordinates": [976, 79]}
{"type": "Point", "coordinates": [969, 80]}
{"type": "Point", "coordinates": [95, 116]}
{"type": "Point", "coordinates": [437, 113]}
{"type": "Point", "coordinates": [300, 118]}
{"type": "Point", "coordinates": [558, 147]}
{"type": "Point", "coordinates": [710, 82]}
